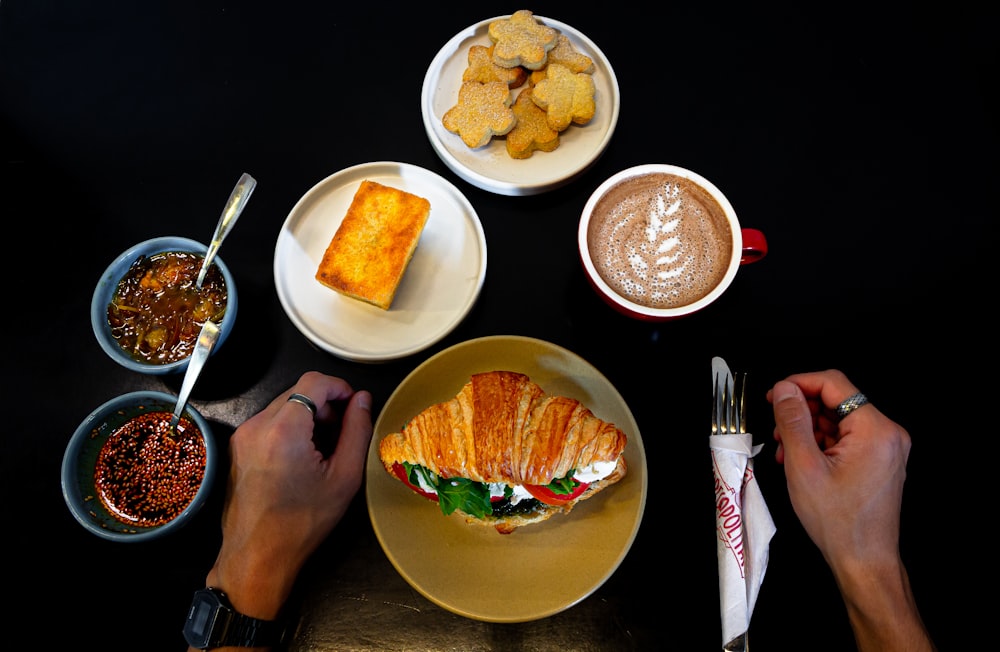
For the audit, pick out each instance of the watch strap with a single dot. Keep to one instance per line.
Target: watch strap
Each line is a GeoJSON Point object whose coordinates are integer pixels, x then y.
{"type": "Point", "coordinates": [245, 631]}
{"type": "Point", "coordinates": [212, 622]}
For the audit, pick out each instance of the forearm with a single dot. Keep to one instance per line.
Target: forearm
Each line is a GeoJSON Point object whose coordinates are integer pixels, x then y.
{"type": "Point", "coordinates": [255, 584]}
{"type": "Point", "coordinates": [882, 610]}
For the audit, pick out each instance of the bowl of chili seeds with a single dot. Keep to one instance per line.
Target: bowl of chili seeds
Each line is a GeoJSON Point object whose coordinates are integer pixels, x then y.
{"type": "Point", "coordinates": [128, 476]}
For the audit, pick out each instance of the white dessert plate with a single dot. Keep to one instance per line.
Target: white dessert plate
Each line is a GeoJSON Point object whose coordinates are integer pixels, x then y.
{"type": "Point", "coordinates": [490, 167]}
{"type": "Point", "coordinates": [537, 570]}
{"type": "Point", "coordinates": [440, 286]}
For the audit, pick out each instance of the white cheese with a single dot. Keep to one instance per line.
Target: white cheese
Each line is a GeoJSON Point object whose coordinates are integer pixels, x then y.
{"type": "Point", "coordinates": [424, 484]}
{"type": "Point", "coordinates": [497, 489]}
{"type": "Point", "coordinates": [595, 471]}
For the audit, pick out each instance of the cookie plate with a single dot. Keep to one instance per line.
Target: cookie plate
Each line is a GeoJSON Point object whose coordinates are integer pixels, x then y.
{"type": "Point", "coordinates": [540, 569]}
{"type": "Point", "coordinates": [441, 284]}
{"type": "Point", "coordinates": [490, 167]}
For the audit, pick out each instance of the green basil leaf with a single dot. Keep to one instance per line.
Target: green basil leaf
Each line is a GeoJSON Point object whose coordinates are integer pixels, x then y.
{"type": "Point", "coordinates": [564, 485]}
{"type": "Point", "coordinates": [463, 494]}
{"type": "Point", "coordinates": [466, 495]}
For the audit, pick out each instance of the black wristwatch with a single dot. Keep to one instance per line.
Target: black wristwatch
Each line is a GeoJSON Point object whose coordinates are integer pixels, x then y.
{"type": "Point", "coordinates": [212, 622]}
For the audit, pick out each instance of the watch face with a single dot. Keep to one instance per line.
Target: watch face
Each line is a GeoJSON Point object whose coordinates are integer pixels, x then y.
{"type": "Point", "coordinates": [212, 622]}
{"type": "Point", "coordinates": [201, 619]}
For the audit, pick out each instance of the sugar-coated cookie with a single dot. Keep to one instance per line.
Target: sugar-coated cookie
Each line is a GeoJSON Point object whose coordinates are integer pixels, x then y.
{"type": "Point", "coordinates": [521, 40]}
{"type": "Point", "coordinates": [567, 55]}
{"type": "Point", "coordinates": [564, 53]}
{"type": "Point", "coordinates": [483, 111]}
{"type": "Point", "coordinates": [566, 96]}
{"type": "Point", "coordinates": [483, 69]}
{"type": "Point", "coordinates": [532, 131]}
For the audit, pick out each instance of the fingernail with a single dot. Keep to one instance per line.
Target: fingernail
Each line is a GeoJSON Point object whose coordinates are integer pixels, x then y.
{"type": "Point", "coordinates": [365, 401]}
{"type": "Point", "coordinates": [784, 390]}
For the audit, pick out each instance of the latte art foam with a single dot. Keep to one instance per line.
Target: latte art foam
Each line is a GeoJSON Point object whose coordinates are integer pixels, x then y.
{"type": "Point", "coordinates": [660, 240]}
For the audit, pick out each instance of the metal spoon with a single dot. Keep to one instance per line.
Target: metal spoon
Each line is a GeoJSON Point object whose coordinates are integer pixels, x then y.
{"type": "Point", "coordinates": [237, 200]}
{"type": "Point", "coordinates": [202, 348]}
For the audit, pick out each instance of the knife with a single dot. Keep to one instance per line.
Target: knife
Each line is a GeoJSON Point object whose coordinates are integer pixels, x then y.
{"type": "Point", "coordinates": [722, 394]}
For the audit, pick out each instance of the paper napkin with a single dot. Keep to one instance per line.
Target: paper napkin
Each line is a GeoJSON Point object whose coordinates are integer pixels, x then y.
{"type": "Point", "coordinates": [744, 527]}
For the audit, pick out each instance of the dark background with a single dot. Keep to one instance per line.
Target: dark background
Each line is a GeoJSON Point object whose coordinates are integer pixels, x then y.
{"type": "Point", "coordinates": [861, 138]}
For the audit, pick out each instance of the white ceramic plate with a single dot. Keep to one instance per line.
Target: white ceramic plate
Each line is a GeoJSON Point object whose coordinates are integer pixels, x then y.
{"type": "Point", "coordinates": [441, 284]}
{"type": "Point", "coordinates": [537, 570]}
{"type": "Point", "coordinates": [490, 167]}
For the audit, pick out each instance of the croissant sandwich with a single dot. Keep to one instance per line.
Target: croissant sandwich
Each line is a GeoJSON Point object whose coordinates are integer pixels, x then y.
{"type": "Point", "coordinates": [503, 453]}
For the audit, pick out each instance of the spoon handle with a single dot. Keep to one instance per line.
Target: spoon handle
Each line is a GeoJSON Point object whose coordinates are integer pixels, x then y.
{"type": "Point", "coordinates": [202, 348]}
{"type": "Point", "coordinates": [237, 200]}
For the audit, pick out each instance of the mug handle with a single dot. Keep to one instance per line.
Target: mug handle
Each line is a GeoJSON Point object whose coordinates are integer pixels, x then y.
{"type": "Point", "coordinates": [754, 246]}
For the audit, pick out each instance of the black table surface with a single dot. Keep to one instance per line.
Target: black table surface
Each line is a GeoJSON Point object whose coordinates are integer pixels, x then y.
{"type": "Point", "coordinates": [861, 140]}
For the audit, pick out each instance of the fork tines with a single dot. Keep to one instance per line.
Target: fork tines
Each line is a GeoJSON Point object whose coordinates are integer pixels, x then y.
{"type": "Point", "coordinates": [738, 423]}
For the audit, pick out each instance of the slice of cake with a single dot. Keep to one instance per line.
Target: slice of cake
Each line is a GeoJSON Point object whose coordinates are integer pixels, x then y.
{"type": "Point", "coordinates": [370, 251]}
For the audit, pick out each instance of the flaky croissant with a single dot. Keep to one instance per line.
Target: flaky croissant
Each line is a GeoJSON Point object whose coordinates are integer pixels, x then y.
{"type": "Point", "coordinates": [502, 427]}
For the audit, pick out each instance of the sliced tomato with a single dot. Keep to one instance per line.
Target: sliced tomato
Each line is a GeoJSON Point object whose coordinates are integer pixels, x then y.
{"type": "Point", "coordinates": [400, 472]}
{"type": "Point", "coordinates": [549, 497]}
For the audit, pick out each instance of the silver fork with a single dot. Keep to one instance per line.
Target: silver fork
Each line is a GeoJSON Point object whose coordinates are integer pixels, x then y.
{"type": "Point", "coordinates": [739, 421]}
{"type": "Point", "coordinates": [729, 418]}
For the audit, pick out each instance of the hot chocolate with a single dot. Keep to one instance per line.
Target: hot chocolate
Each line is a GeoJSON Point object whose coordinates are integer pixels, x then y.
{"type": "Point", "coordinates": [660, 240]}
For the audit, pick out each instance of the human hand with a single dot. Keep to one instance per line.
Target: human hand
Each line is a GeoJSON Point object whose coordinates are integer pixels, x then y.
{"type": "Point", "coordinates": [284, 496]}
{"type": "Point", "coordinates": [845, 481]}
{"type": "Point", "coordinates": [845, 477]}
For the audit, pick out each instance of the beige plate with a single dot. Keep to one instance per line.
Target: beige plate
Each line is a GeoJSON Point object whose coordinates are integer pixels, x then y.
{"type": "Point", "coordinates": [538, 570]}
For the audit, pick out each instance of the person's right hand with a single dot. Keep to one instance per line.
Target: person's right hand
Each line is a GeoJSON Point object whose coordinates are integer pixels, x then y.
{"type": "Point", "coordinates": [845, 482]}
{"type": "Point", "coordinates": [845, 478]}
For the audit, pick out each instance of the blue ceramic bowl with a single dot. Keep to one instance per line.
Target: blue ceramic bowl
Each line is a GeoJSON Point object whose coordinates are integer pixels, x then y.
{"type": "Point", "coordinates": [79, 486]}
{"type": "Point", "coordinates": [108, 284]}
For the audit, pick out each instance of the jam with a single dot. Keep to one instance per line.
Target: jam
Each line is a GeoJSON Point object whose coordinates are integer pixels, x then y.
{"type": "Point", "coordinates": [157, 311]}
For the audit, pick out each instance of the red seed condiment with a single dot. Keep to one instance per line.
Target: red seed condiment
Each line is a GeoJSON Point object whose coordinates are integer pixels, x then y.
{"type": "Point", "coordinates": [157, 312]}
{"type": "Point", "coordinates": [146, 475]}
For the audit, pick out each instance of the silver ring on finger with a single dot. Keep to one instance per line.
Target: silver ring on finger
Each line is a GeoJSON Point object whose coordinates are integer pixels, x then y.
{"type": "Point", "coordinates": [302, 399]}
{"type": "Point", "coordinates": [850, 404]}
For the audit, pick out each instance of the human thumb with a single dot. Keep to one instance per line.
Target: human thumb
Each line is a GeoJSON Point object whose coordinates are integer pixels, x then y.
{"type": "Point", "coordinates": [793, 421]}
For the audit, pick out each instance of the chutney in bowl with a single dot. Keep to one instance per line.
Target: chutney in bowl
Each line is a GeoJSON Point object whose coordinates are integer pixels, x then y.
{"type": "Point", "coordinates": [146, 311]}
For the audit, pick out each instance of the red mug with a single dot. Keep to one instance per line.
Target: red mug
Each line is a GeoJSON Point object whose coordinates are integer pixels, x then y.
{"type": "Point", "coordinates": [659, 242]}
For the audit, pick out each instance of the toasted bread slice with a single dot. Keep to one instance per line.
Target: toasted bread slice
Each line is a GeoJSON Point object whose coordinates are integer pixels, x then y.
{"type": "Point", "coordinates": [373, 245]}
